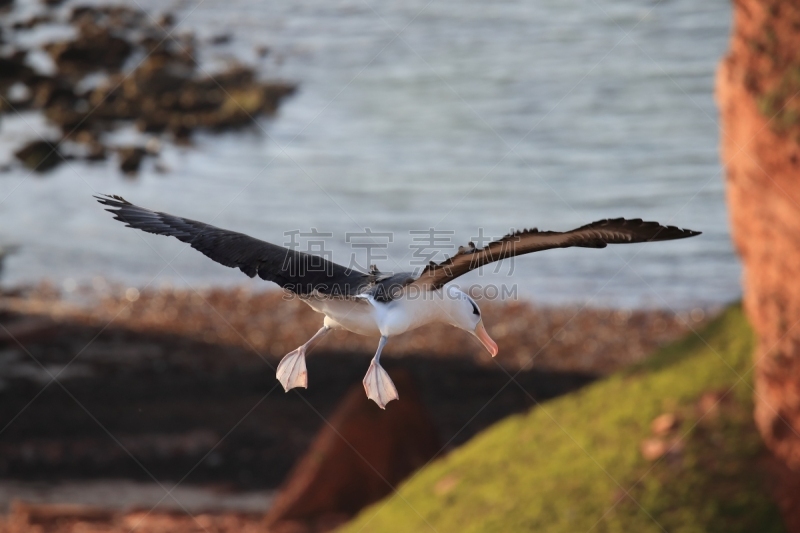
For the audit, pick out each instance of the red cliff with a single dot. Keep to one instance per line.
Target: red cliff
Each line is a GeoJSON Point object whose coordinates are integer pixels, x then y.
{"type": "Point", "coordinates": [758, 93]}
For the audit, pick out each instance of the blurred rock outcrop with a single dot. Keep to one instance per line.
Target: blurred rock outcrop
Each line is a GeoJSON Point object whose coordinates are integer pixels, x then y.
{"type": "Point", "coordinates": [124, 67]}
{"type": "Point", "coordinates": [40, 156]}
{"type": "Point", "coordinates": [356, 459]}
{"type": "Point", "coordinates": [758, 93]}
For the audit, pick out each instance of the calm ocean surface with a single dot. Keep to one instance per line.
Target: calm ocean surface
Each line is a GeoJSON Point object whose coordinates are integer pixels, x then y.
{"type": "Point", "coordinates": [477, 117]}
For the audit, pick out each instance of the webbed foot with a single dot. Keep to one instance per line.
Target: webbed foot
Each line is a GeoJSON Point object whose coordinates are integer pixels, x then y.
{"type": "Point", "coordinates": [379, 386]}
{"type": "Point", "coordinates": [292, 370]}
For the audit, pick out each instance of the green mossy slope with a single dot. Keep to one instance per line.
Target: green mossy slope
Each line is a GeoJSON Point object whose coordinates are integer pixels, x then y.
{"type": "Point", "coordinates": [567, 464]}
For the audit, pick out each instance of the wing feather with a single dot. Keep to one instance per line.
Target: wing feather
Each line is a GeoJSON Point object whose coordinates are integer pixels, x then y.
{"type": "Point", "coordinates": [296, 271]}
{"type": "Point", "coordinates": [595, 235]}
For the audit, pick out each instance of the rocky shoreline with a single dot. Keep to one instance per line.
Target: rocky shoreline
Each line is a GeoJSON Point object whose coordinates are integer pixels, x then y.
{"type": "Point", "coordinates": [123, 67]}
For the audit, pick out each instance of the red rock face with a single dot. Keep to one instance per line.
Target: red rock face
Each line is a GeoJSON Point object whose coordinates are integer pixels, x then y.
{"type": "Point", "coordinates": [758, 93]}
{"type": "Point", "coordinates": [356, 459]}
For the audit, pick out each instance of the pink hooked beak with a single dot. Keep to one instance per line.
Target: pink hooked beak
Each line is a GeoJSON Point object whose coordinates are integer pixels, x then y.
{"type": "Point", "coordinates": [485, 339]}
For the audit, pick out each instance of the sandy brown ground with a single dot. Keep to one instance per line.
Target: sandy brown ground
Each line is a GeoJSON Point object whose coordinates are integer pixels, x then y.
{"type": "Point", "coordinates": [178, 386]}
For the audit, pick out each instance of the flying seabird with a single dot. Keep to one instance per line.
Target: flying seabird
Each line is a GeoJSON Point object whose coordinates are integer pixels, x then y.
{"type": "Point", "coordinates": [375, 303]}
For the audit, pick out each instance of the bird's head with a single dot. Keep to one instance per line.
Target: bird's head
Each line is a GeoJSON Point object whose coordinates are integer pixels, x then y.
{"type": "Point", "coordinates": [464, 313]}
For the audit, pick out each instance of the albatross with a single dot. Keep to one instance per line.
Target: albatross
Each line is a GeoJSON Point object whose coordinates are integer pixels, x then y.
{"type": "Point", "coordinates": [374, 303]}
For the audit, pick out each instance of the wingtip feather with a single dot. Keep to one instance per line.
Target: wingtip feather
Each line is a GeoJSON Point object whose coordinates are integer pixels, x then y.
{"type": "Point", "coordinates": [111, 199]}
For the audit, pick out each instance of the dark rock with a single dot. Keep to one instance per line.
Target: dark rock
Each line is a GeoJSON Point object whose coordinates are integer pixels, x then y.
{"type": "Point", "coordinates": [14, 69]}
{"type": "Point", "coordinates": [356, 459]}
{"type": "Point", "coordinates": [83, 12]}
{"type": "Point", "coordinates": [130, 158]}
{"type": "Point", "coordinates": [181, 135]}
{"type": "Point", "coordinates": [96, 151]}
{"type": "Point", "coordinates": [166, 20]}
{"type": "Point", "coordinates": [223, 38]}
{"type": "Point", "coordinates": [94, 49]}
{"type": "Point", "coordinates": [167, 50]}
{"type": "Point", "coordinates": [40, 156]}
{"type": "Point", "coordinates": [49, 91]}
{"type": "Point", "coordinates": [68, 112]}
{"type": "Point", "coordinates": [158, 76]}
{"type": "Point", "coordinates": [151, 123]}
{"type": "Point", "coordinates": [236, 76]}
{"type": "Point", "coordinates": [32, 22]}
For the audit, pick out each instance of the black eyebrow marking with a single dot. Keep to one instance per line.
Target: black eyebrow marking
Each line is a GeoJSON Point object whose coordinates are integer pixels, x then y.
{"type": "Point", "coordinates": [474, 308]}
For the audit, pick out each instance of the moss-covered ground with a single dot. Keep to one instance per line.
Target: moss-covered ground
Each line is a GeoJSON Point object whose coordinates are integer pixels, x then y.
{"type": "Point", "coordinates": [575, 464]}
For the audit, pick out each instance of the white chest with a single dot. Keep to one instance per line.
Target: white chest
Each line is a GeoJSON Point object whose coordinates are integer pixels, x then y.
{"type": "Point", "coordinates": [368, 317]}
{"type": "Point", "coordinates": [356, 315]}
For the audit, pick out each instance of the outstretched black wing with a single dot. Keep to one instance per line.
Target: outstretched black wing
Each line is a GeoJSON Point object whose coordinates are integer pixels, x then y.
{"type": "Point", "coordinates": [595, 235]}
{"type": "Point", "coordinates": [296, 271]}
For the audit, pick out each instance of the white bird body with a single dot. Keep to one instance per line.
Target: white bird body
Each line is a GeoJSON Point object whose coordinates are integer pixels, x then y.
{"type": "Point", "coordinates": [366, 316]}
{"type": "Point", "coordinates": [352, 314]}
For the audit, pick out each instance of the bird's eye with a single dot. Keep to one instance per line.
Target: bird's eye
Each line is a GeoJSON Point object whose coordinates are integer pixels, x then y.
{"type": "Point", "coordinates": [475, 309]}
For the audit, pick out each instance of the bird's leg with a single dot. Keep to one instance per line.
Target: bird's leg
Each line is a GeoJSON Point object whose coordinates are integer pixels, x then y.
{"type": "Point", "coordinates": [377, 382]}
{"type": "Point", "coordinates": [292, 368]}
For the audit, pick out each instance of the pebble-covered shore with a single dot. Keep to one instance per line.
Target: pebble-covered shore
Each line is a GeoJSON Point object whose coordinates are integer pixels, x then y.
{"type": "Point", "coordinates": [272, 323]}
